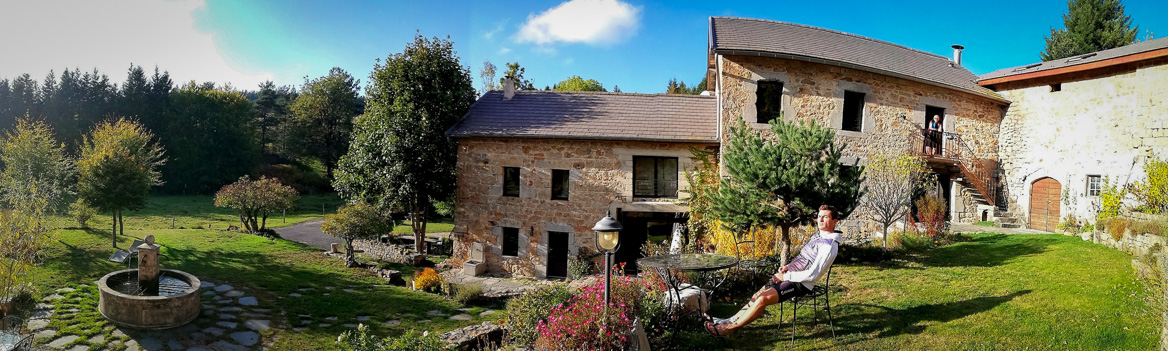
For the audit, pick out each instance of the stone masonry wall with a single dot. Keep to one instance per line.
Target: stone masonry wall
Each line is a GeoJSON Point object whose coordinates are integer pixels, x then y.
{"type": "Point", "coordinates": [600, 174]}
{"type": "Point", "coordinates": [1106, 124]}
{"type": "Point", "coordinates": [894, 110]}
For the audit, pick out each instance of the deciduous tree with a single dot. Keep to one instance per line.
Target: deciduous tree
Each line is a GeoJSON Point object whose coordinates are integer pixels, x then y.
{"type": "Point", "coordinates": [212, 139]}
{"type": "Point", "coordinates": [118, 165]}
{"type": "Point", "coordinates": [400, 156]}
{"type": "Point", "coordinates": [782, 180]}
{"type": "Point", "coordinates": [324, 113]}
{"type": "Point", "coordinates": [575, 83]}
{"type": "Point", "coordinates": [516, 72]}
{"type": "Point", "coordinates": [891, 182]}
{"type": "Point", "coordinates": [1090, 26]}
{"type": "Point", "coordinates": [35, 167]}
{"type": "Point", "coordinates": [352, 222]}
{"type": "Point", "coordinates": [255, 200]}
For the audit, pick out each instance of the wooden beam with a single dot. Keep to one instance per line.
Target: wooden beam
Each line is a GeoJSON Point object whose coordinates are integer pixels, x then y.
{"type": "Point", "coordinates": [1147, 55]}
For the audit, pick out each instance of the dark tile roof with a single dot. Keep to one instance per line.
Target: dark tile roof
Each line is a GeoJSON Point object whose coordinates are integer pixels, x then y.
{"type": "Point", "coordinates": [1097, 56]}
{"type": "Point", "coordinates": [754, 37]}
{"type": "Point", "coordinates": [592, 115]}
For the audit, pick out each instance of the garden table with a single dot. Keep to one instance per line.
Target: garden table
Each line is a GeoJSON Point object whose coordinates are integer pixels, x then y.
{"type": "Point", "coordinates": [673, 267]}
{"type": "Point", "coordinates": [13, 340]}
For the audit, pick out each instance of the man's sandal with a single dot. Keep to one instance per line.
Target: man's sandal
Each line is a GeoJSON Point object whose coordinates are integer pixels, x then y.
{"type": "Point", "coordinates": [713, 329]}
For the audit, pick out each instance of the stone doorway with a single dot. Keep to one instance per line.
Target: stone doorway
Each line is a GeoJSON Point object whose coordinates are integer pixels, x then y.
{"type": "Point", "coordinates": [1045, 200]}
{"type": "Point", "coordinates": [557, 257]}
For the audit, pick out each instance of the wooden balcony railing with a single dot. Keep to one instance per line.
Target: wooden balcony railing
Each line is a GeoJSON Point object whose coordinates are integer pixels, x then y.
{"type": "Point", "coordinates": [950, 148]}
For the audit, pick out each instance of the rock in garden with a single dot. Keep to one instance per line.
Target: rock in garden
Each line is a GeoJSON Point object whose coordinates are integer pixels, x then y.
{"type": "Point", "coordinates": [59, 343]}
{"type": "Point", "coordinates": [258, 324]}
{"type": "Point", "coordinates": [224, 287]}
{"type": "Point", "coordinates": [246, 338]}
{"type": "Point", "coordinates": [248, 301]}
{"type": "Point", "coordinates": [475, 336]}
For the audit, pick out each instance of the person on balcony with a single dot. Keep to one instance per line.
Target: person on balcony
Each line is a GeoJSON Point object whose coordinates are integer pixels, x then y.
{"type": "Point", "coordinates": [933, 147]}
{"type": "Point", "coordinates": [793, 280]}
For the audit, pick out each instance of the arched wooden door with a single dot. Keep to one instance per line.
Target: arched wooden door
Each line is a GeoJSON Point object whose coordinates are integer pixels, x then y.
{"type": "Point", "coordinates": [1045, 200]}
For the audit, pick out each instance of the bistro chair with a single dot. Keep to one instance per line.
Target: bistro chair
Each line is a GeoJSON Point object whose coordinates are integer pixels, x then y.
{"type": "Point", "coordinates": [12, 335]}
{"type": "Point", "coordinates": [819, 293]}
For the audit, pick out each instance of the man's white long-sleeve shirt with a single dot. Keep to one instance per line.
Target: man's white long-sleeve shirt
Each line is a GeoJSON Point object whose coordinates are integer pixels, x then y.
{"type": "Point", "coordinates": [816, 256]}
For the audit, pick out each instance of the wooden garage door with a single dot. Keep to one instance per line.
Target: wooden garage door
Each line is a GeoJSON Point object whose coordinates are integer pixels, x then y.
{"type": "Point", "coordinates": [1045, 200]}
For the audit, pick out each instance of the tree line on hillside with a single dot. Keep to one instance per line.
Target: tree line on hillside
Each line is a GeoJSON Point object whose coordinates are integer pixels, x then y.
{"type": "Point", "coordinates": [212, 134]}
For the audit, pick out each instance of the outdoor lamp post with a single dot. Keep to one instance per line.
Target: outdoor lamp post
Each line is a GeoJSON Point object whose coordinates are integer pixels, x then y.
{"type": "Point", "coordinates": [607, 238]}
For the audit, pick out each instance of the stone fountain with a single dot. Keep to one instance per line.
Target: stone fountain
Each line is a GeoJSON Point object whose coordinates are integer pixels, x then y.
{"type": "Point", "coordinates": [149, 297]}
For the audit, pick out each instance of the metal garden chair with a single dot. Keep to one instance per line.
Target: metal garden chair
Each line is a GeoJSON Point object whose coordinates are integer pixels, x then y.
{"type": "Point", "coordinates": [820, 292]}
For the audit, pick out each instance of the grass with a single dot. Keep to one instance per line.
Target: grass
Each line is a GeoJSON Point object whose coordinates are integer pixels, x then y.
{"type": "Point", "coordinates": [997, 292]}
{"type": "Point", "coordinates": [272, 269]}
{"type": "Point", "coordinates": [198, 211]}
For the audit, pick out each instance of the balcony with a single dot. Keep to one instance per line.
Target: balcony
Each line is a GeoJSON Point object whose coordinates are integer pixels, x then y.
{"type": "Point", "coordinates": [947, 151]}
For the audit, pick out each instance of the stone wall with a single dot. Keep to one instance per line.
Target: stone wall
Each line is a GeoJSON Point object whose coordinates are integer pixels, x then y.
{"type": "Point", "coordinates": [1102, 123]}
{"type": "Point", "coordinates": [600, 174]}
{"type": "Point", "coordinates": [894, 111]}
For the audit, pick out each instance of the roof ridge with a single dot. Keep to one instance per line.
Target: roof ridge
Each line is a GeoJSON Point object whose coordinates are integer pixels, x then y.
{"type": "Point", "coordinates": [1012, 70]}
{"type": "Point", "coordinates": [610, 93]}
{"type": "Point", "coordinates": [836, 32]}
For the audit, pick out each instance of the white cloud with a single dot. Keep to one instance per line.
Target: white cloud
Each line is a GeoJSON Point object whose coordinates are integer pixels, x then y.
{"type": "Point", "coordinates": [109, 36]}
{"type": "Point", "coordinates": [504, 50]}
{"type": "Point", "coordinates": [488, 35]}
{"type": "Point", "coordinates": [596, 22]}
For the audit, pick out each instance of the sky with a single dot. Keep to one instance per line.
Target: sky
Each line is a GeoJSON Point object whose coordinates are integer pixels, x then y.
{"type": "Point", "coordinates": [636, 45]}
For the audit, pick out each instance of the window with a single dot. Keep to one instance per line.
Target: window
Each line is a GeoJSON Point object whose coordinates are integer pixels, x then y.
{"type": "Point", "coordinates": [853, 111]}
{"type": "Point", "coordinates": [1094, 185]}
{"type": "Point", "coordinates": [511, 181]}
{"type": "Point", "coordinates": [510, 241]}
{"type": "Point", "coordinates": [654, 176]}
{"type": "Point", "coordinates": [559, 184]}
{"type": "Point", "coordinates": [1056, 87]}
{"type": "Point", "coordinates": [768, 102]}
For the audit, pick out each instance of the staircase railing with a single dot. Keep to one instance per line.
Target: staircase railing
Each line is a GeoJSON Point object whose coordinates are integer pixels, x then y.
{"type": "Point", "coordinates": [979, 172]}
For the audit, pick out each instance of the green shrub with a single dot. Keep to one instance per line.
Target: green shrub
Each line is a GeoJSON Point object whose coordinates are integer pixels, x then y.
{"type": "Point", "coordinates": [865, 253]}
{"type": "Point", "coordinates": [526, 311]}
{"type": "Point", "coordinates": [82, 212]}
{"type": "Point", "coordinates": [360, 340]}
{"type": "Point", "coordinates": [1116, 226]}
{"type": "Point", "coordinates": [1152, 193]}
{"type": "Point", "coordinates": [911, 241]}
{"type": "Point", "coordinates": [469, 293]}
{"type": "Point", "coordinates": [1088, 228]}
{"type": "Point", "coordinates": [584, 264]}
{"type": "Point", "coordinates": [1110, 199]}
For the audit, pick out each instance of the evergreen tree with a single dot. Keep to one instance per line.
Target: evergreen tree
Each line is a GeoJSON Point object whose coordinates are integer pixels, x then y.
{"type": "Point", "coordinates": [781, 181]}
{"type": "Point", "coordinates": [1091, 25]}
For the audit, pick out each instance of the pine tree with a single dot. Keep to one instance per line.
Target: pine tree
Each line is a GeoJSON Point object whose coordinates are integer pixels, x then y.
{"type": "Point", "coordinates": [781, 181]}
{"type": "Point", "coordinates": [1091, 25]}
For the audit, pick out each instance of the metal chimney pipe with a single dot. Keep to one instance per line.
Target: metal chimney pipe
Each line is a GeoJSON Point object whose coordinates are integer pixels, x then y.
{"type": "Point", "coordinates": [508, 88]}
{"type": "Point", "coordinates": [957, 54]}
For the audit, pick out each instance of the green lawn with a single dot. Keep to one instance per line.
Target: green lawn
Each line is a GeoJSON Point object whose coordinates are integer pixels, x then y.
{"type": "Point", "coordinates": [998, 292]}
{"type": "Point", "coordinates": [198, 211]}
{"type": "Point", "coordinates": [273, 269]}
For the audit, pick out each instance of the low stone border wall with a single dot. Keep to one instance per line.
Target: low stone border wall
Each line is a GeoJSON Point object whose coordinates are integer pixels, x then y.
{"type": "Point", "coordinates": [1139, 245]}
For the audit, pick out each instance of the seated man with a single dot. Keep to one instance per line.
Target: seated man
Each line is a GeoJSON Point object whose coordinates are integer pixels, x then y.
{"type": "Point", "coordinates": [793, 280]}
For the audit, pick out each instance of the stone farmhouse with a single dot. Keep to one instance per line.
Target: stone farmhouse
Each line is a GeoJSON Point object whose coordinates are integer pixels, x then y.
{"type": "Point", "coordinates": [536, 169]}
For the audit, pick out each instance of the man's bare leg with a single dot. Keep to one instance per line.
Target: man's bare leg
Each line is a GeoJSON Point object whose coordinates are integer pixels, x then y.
{"type": "Point", "coordinates": [753, 309]}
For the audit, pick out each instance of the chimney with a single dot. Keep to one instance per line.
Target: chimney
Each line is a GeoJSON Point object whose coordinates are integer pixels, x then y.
{"type": "Point", "coordinates": [508, 88]}
{"type": "Point", "coordinates": [957, 54]}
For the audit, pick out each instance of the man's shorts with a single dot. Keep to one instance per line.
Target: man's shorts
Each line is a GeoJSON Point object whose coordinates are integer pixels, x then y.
{"type": "Point", "coordinates": [787, 290]}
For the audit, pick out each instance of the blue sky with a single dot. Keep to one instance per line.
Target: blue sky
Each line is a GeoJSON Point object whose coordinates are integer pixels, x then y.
{"type": "Point", "coordinates": [637, 45]}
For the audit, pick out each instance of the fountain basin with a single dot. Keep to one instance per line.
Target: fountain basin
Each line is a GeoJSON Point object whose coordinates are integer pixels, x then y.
{"type": "Point", "coordinates": [177, 303]}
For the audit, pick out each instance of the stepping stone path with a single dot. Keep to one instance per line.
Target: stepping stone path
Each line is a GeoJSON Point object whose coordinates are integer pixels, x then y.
{"type": "Point", "coordinates": [231, 320]}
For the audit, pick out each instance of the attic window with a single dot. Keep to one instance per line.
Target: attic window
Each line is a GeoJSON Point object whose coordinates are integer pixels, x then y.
{"type": "Point", "coordinates": [1077, 58]}
{"type": "Point", "coordinates": [1027, 67]}
{"type": "Point", "coordinates": [1056, 87]}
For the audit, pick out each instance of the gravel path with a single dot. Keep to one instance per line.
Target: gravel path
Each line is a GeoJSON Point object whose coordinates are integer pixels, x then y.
{"type": "Point", "coordinates": [308, 233]}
